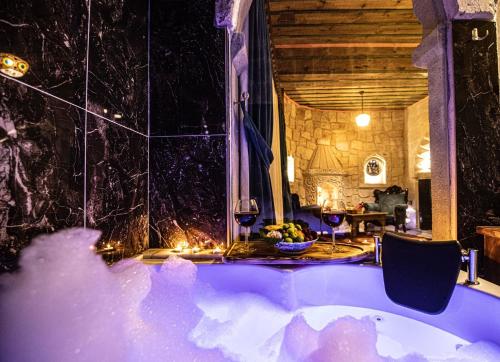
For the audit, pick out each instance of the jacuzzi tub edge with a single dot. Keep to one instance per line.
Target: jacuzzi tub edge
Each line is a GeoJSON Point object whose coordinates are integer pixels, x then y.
{"type": "Point", "coordinates": [472, 313]}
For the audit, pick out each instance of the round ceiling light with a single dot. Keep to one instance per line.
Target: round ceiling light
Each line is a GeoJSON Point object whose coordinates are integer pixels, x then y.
{"type": "Point", "coordinates": [363, 119]}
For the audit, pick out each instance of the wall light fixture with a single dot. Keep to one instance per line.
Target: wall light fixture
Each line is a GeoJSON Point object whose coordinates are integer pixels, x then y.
{"type": "Point", "coordinates": [362, 119]}
{"type": "Point", "coordinates": [12, 65]}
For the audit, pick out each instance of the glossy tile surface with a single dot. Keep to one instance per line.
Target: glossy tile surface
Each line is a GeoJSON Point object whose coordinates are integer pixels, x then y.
{"type": "Point", "coordinates": [187, 190]}
{"type": "Point", "coordinates": [117, 184]}
{"type": "Point", "coordinates": [41, 167]}
{"type": "Point", "coordinates": [187, 69]}
{"type": "Point", "coordinates": [477, 126]}
{"type": "Point", "coordinates": [52, 37]}
{"type": "Point", "coordinates": [118, 61]}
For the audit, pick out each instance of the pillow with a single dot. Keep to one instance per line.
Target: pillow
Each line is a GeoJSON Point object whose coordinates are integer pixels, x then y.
{"type": "Point", "coordinates": [388, 201]}
{"type": "Point", "coordinates": [371, 206]}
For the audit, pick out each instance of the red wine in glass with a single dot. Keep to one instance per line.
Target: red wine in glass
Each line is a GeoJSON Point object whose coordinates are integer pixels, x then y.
{"type": "Point", "coordinates": [245, 214]}
{"type": "Point", "coordinates": [333, 218]}
{"type": "Point", "coordinates": [245, 219]}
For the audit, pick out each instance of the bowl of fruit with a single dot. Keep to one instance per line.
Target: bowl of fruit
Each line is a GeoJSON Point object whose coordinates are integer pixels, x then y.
{"type": "Point", "coordinates": [290, 238]}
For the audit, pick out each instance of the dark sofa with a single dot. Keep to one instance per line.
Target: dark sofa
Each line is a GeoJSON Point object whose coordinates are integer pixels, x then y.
{"type": "Point", "coordinates": [393, 201]}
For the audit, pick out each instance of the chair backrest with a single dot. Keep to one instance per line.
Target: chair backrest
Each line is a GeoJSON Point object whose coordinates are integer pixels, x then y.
{"type": "Point", "coordinates": [420, 274]}
{"type": "Point", "coordinates": [394, 189]}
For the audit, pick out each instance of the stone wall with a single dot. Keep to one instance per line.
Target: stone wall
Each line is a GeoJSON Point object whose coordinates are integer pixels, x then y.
{"type": "Point", "coordinates": [352, 145]}
{"type": "Point", "coordinates": [416, 129]}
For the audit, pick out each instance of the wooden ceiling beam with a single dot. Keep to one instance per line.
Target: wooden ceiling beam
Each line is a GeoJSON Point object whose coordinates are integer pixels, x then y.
{"type": "Point", "coordinates": [401, 65]}
{"type": "Point", "coordinates": [306, 53]}
{"type": "Point", "coordinates": [388, 29]}
{"type": "Point", "coordinates": [411, 45]}
{"type": "Point", "coordinates": [308, 91]}
{"type": "Point", "coordinates": [421, 74]}
{"type": "Point", "coordinates": [362, 85]}
{"type": "Point", "coordinates": [357, 98]}
{"type": "Point", "coordinates": [352, 109]}
{"type": "Point", "coordinates": [341, 17]}
{"type": "Point", "coordinates": [287, 5]}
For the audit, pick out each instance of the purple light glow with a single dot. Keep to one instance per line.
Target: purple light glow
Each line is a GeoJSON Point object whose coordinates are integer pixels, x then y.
{"type": "Point", "coordinates": [66, 305]}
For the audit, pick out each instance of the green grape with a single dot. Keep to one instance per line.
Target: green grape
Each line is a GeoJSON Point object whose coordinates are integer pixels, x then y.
{"type": "Point", "coordinates": [288, 240]}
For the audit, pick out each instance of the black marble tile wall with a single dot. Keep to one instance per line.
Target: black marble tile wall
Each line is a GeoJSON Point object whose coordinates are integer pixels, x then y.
{"type": "Point", "coordinates": [41, 167]}
{"type": "Point", "coordinates": [187, 190]}
{"type": "Point", "coordinates": [477, 126]}
{"type": "Point", "coordinates": [117, 184]}
{"type": "Point", "coordinates": [187, 69]}
{"type": "Point", "coordinates": [187, 124]}
{"type": "Point", "coordinates": [42, 138]}
{"type": "Point", "coordinates": [52, 37]}
{"type": "Point", "coordinates": [118, 61]}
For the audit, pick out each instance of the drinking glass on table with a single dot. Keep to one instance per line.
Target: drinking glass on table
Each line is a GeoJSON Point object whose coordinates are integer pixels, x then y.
{"type": "Point", "coordinates": [245, 214]}
{"type": "Point", "coordinates": [333, 214]}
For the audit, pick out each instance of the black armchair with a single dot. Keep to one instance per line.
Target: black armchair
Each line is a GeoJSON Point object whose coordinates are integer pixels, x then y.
{"type": "Point", "coordinates": [393, 201]}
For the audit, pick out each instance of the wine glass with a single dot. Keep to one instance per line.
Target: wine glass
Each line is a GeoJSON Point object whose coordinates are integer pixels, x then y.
{"type": "Point", "coordinates": [333, 214]}
{"type": "Point", "coordinates": [245, 214]}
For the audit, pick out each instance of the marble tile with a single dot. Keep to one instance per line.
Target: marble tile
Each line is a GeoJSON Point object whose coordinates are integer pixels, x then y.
{"type": "Point", "coordinates": [187, 190]}
{"type": "Point", "coordinates": [118, 61]}
{"type": "Point", "coordinates": [52, 37]}
{"type": "Point", "coordinates": [187, 69]}
{"type": "Point", "coordinates": [477, 126]}
{"type": "Point", "coordinates": [41, 167]}
{"type": "Point", "coordinates": [117, 184]}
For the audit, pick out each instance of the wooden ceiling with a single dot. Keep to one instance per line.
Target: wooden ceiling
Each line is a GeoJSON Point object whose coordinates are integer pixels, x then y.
{"type": "Point", "coordinates": [326, 51]}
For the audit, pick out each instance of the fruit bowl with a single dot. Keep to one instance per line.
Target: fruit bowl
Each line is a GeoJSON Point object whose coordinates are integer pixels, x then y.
{"type": "Point", "coordinates": [294, 248]}
{"type": "Point", "coordinates": [290, 238]}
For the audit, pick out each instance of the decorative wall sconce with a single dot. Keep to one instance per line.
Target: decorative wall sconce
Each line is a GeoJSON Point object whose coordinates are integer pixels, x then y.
{"type": "Point", "coordinates": [362, 119]}
{"type": "Point", "coordinates": [12, 65]}
{"type": "Point", "coordinates": [424, 156]}
{"type": "Point", "coordinates": [290, 168]}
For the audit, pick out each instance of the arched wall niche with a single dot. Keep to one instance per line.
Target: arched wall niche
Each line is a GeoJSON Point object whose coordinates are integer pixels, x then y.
{"type": "Point", "coordinates": [375, 171]}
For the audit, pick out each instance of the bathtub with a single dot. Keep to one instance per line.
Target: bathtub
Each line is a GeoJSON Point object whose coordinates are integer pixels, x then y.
{"type": "Point", "coordinates": [472, 314]}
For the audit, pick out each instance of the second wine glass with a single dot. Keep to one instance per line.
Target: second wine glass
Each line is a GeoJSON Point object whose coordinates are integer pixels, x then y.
{"type": "Point", "coordinates": [333, 214]}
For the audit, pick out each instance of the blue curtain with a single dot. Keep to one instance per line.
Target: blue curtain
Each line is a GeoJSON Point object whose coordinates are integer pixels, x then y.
{"type": "Point", "coordinates": [259, 120]}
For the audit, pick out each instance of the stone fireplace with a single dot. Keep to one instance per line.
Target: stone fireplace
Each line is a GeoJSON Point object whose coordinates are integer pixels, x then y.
{"type": "Point", "coordinates": [324, 178]}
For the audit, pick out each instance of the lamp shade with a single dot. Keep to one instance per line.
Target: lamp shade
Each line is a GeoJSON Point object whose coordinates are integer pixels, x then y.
{"type": "Point", "coordinates": [363, 119]}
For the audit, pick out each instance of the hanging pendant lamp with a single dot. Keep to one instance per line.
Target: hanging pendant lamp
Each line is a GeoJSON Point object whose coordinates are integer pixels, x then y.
{"type": "Point", "coordinates": [362, 119]}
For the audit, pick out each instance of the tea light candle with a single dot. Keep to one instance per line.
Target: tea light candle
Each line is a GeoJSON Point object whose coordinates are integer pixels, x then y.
{"type": "Point", "coordinates": [196, 249]}
{"type": "Point", "coordinates": [178, 248]}
{"type": "Point", "coordinates": [217, 250]}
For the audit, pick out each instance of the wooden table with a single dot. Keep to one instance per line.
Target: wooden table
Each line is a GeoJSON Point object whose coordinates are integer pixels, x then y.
{"type": "Point", "coordinates": [491, 241]}
{"type": "Point", "coordinates": [319, 253]}
{"type": "Point", "coordinates": [355, 219]}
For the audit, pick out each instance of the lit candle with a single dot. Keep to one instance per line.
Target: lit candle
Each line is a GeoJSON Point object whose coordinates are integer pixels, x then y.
{"type": "Point", "coordinates": [196, 249]}
{"type": "Point", "coordinates": [178, 248]}
{"type": "Point", "coordinates": [217, 250]}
